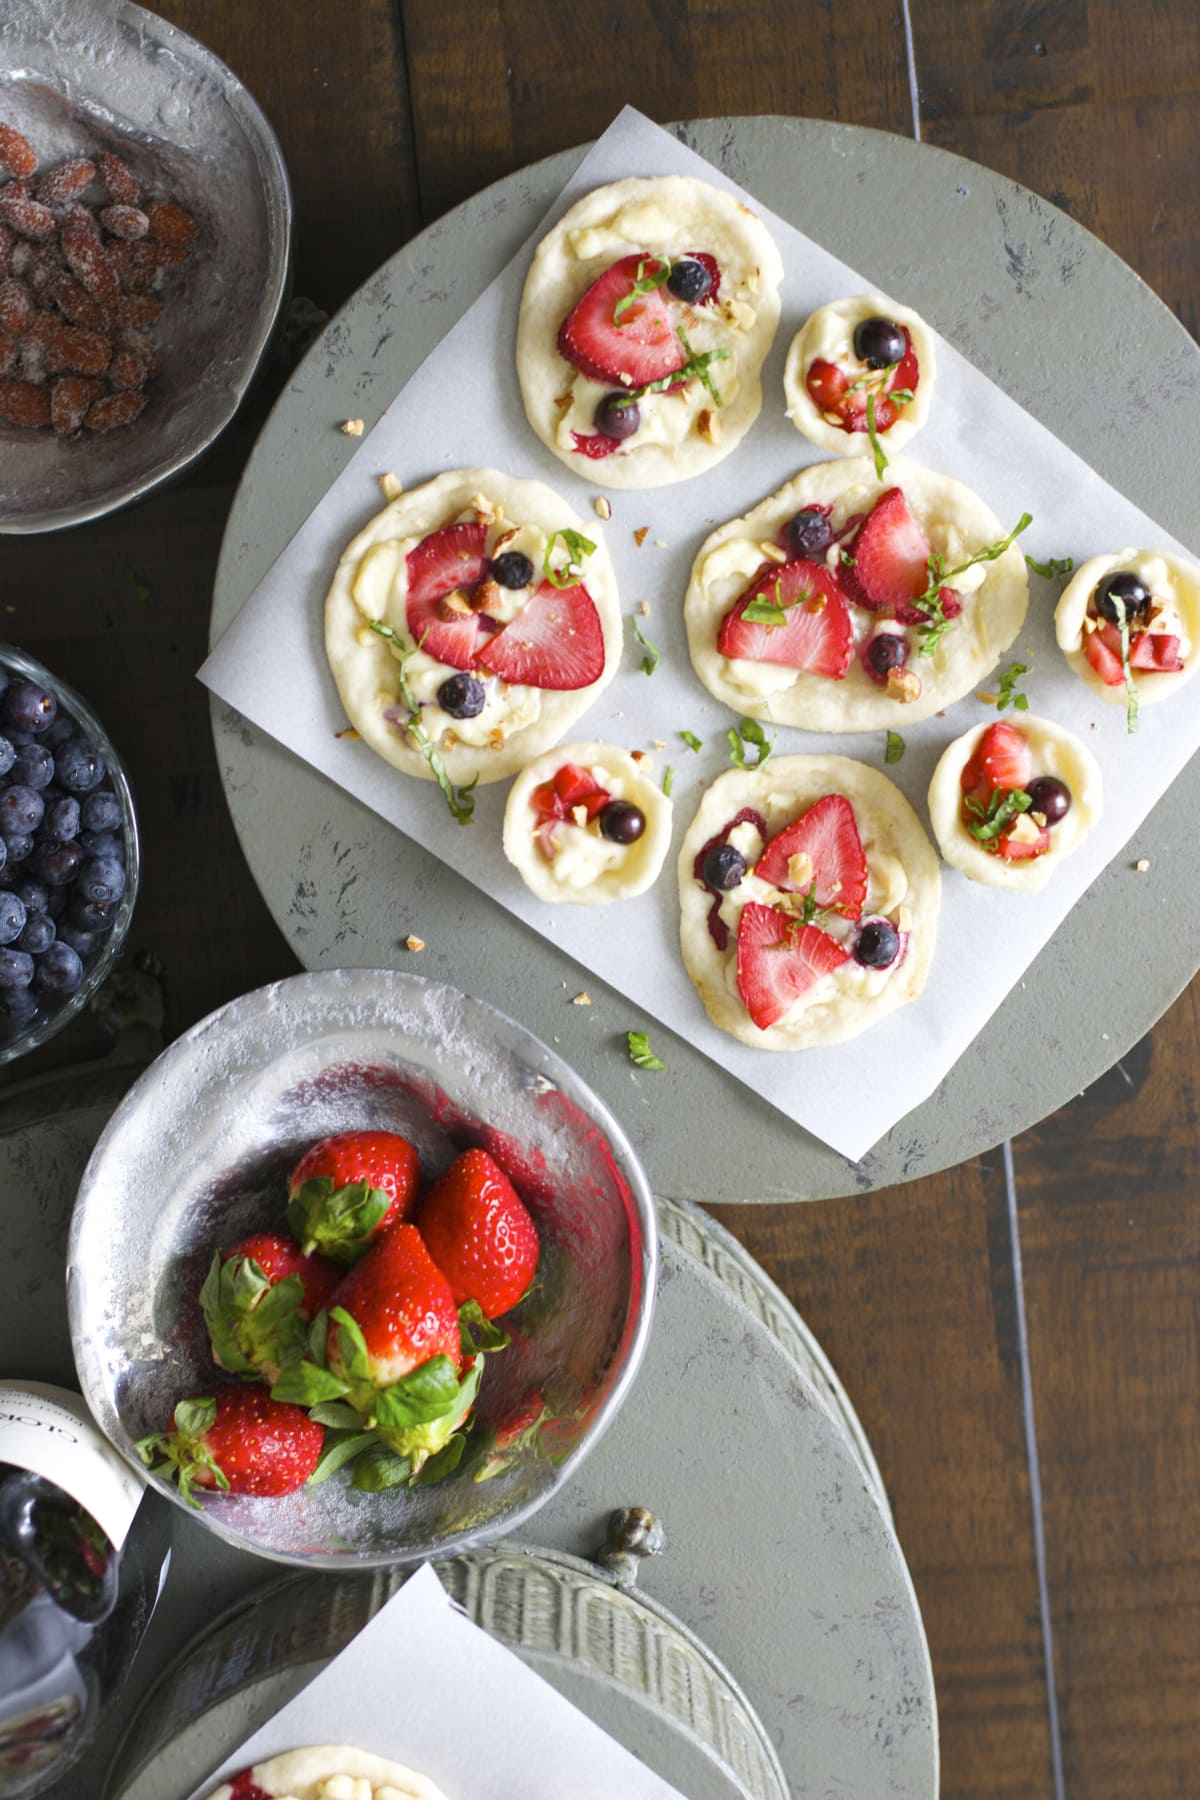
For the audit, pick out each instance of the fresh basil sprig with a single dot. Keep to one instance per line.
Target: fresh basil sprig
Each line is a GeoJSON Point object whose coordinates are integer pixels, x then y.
{"type": "Point", "coordinates": [773, 612]}
{"type": "Point", "coordinates": [1003, 807]}
{"type": "Point", "coordinates": [640, 1051]}
{"type": "Point", "coordinates": [693, 743]}
{"type": "Point", "coordinates": [750, 733]}
{"type": "Point", "coordinates": [643, 284]}
{"type": "Point", "coordinates": [653, 654]}
{"type": "Point", "coordinates": [577, 547]}
{"type": "Point", "coordinates": [930, 602]}
{"type": "Point", "coordinates": [1056, 565]}
{"type": "Point", "coordinates": [1131, 693]}
{"type": "Point", "coordinates": [894, 748]}
{"type": "Point", "coordinates": [460, 800]}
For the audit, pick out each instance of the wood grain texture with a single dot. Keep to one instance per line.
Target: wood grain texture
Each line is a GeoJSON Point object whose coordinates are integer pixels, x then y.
{"type": "Point", "coordinates": [910, 1291]}
{"type": "Point", "coordinates": [496, 87]}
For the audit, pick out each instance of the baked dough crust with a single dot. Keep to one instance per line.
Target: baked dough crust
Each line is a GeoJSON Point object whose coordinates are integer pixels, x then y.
{"type": "Point", "coordinates": [305, 1774]}
{"type": "Point", "coordinates": [667, 216]}
{"type": "Point", "coordinates": [903, 878]}
{"type": "Point", "coordinates": [1160, 571]}
{"type": "Point", "coordinates": [956, 522]}
{"type": "Point", "coordinates": [367, 673]}
{"type": "Point", "coordinates": [829, 335]}
{"type": "Point", "coordinates": [1055, 752]}
{"type": "Point", "coordinates": [588, 870]}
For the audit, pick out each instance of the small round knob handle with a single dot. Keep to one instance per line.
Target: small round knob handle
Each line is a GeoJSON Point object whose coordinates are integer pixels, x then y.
{"type": "Point", "coordinates": [633, 1532]}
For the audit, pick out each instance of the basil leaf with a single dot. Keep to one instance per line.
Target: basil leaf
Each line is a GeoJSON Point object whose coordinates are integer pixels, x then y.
{"type": "Point", "coordinates": [1056, 565]}
{"type": "Point", "coordinates": [640, 1051]}
{"type": "Point", "coordinates": [881, 461]}
{"type": "Point", "coordinates": [894, 749]}
{"type": "Point", "coordinates": [577, 547]}
{"type": "Point", "coordinates": [1008, 695]}
{"type": "Point", "coordinates": [668, 779]}
{"type": "Point", "coordinates": [751, 733]}
{"type": "Point", "coordinates": [653, 654]}
{"type": "Point", "coordinates": [1131, 693]}
{"type": "Point", "coordinates": [692, 741]}
{"type": "Point", "coordinates": [643, 284]}
{"type": "Point", "coordinates": [1003, 807]}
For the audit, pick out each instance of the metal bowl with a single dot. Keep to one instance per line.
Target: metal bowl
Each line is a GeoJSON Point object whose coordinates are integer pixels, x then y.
{"type": "Point", "coordinates": [83, 75]}
{"type": "Point", "coordinates": [197, 1155]}
{"type": "Point", "coordinates": [53, 1014]}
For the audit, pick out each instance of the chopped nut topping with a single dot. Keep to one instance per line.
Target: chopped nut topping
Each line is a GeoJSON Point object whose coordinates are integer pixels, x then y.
{"type": "Point", "coordinates": [800, 869]}
{"type": "Point", "coordinates": [414, 943]}
{"type": "Point", "coordinates": [502, 542]}
{"type": "Point", "coordinates": [584, 999]}
{"type": "Point", "coordinates": [487, 598]}
{"type": "Point", "coordinates": [352, 427]}
{"type": "Point", "coordinates": [644, 608]}
{"type": "Point", "coordinates": [660, 543]}
{"type": "Point", "coordinates": [772, 553]}
{"type": "Point", "coordinates": [1039, 820]}
{"type": "Point", "coordinates": [1023, 830]}
{"type": "Point", "coordinates": [988, 699]}
{"type": "Point", "coordinates": [1090, 624]}
{"type": "Point", "coordinates": [739, 315]}
{"type": "Point", "coordinates": [456, 602]}
{"type": "Point", "coordinates": [496, 737]}
{"type": "Point", "coordinates": [752, 282]}
{"type": "Point", "coordinates": [602, 507]}
{"type": "Point", "coordinates": [708, 425]}
{"type": "Point", "coordinates": [641, 759]}
{"type": "Point", "coordinates": [392, 488]}
{"type": "Point", "coordinates": [903, 685]}
{"type": "Point", "coordinates": [1142, 864]}
{"type": "Point", "coordinates": [347, 731]}
{"type": "Point", "coordinates": [640, 536]}
{"type": "Point", "coordinates": [791, 903]}
{"type": "Point", "coordinates": [580, 815]}
{"type": "Point", "coordinates": [660, 743]}
{"type": "Point", "coordinates": [562, 401]}
{"type": "Point", "coordinates": [485, 512]}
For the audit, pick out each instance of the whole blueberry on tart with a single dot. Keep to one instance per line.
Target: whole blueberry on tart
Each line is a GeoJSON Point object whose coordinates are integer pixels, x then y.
{"type": "Point", "coordinates": [850, 601]}
{"type": "Point", "coordinates": [646, 316]}
{"type": "Point", "coordinates": [585, 825]}
{"type": "Point", "coordinates": [1010, 799]}
{"type": "Point", "coordinates": [468, 625]}
{"type": "Point", "coordinates": [860, 368]}
{"type": "Point", "coordinates": [809, 899]}
{"type": "Point", "coordinates": [1129, 625]}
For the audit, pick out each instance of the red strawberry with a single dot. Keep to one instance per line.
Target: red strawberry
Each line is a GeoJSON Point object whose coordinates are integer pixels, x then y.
{"type": "Point", "coordinates": [827, 837]}
{"type": "Point", "coordinates": [639, 347]}
{"type": "Point", "coordinates": [347, 1190]}
{"type": "Point", "coordinates": [778, 959]}
{"type": "Point", "coordinates": [1155, 650]}
{"type": "Point", "coordinates": [555, 642]}
{"type": "Point", "coordinates": [404, 1310]}
{"type": "Point", "coordinates": [1105, 656]}
{"type": "Point", "coordinates": [556, 800]}
{"type": "Point", "coordinates": [594, 445]}
{"type": "Point", "coordinates": [447, 560]}
{"type": "Point", "coordinates": [1000, 760]}
{"type": "Point", "coordinates": [1021, 849]}
{"type": "Point", "coordinates": [258, 1298]}
{"type": "Point", "coordinates": [1147, 650]}
{"type": "Point", "coordinates": [891, 564]}
{"type": "Point", "coordinates": [239, 1440]}
{"type": "Point", "coordinates": [814, 632]}
{"type": "Point", "coordinates": [480, 1234]}
{"type": "Point", "coordinates": [833, 390]}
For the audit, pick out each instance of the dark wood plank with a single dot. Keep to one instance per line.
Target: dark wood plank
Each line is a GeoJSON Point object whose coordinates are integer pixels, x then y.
{"type": "Point", "coordinates": [496, 87]}
{"type": "Point", "coordinates": [1111, 1238]}
{"type": "Point", "coordinates": [911, 1292]}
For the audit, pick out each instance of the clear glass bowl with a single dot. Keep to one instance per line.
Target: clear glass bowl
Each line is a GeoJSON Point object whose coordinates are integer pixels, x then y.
{"type": "Point", "coordinates": [53, 1015]}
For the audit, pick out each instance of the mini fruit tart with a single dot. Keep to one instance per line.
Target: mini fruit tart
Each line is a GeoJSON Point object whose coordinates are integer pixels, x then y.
{"type": "Point", "coordinates": [847, 603]}
{"type": "Point", "coordinates": [1008, 802]}
{"type": "Point", "coordinates": [321, 1771]}
{"type": "Point", "coordinates": [583, 825]}
{"type": "Point", "coordinates": [1155, 598]}
{"type": "Point", "coordinates": [647, 314]}
{"type": "Point", "coordinates": [469, 625]}
{"type": "Point", "coordinates": [857, 365]}
{"type": "Point", "coordinates": [809, 898]}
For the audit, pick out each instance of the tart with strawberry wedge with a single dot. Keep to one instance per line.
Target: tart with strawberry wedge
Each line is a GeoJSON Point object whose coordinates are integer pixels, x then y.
{"type": "Point", "coordinates": [468, 626]}
{"type": "Point", "coordinates": [809, 899]}
{"type": "Point", "coordinates": [1129, 625]}
{"type": "Point", "coordinates": [1009, 801]}
{"type": "Point", "coordinates": [851, 602]}
{"type": "Point", "coordinates": [322, 1771]}
{"type": "Point", "coordinates": [646, 316]}
{"type": "Point", "coordinates": [857, 366]}
{"type": "Point", "coordinates": [585, 826]}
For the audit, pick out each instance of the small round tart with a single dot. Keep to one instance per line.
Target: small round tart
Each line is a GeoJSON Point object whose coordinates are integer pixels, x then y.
{"type": "Point", "coordinates": [1159, 595]}
{"type": "Point", "coordinates": [485, 602]}
{"type": "Point", "coordinates": [330, 1772]}
{"type": "Point", "coordinates": [847, 351]}
{"type": "Point", "coordinates": [583, 825]}
{"type": "Point", "coordinates": [646, 317]}
{"type": "Point", "coordinates": [1006, 842]}
{"type": "Point", "coordinates": [817, 609]}
{"type": "Point", "coordinates": [809, 898]}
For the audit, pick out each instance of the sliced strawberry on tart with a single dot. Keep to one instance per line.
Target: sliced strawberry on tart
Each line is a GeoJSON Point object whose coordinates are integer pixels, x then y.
{"type": "Point", "coordinates": [809, 899]}
{"type": "Point", "coordinates": [1009, 801]}
{"type": "Point", "coordinates": [585, 825]}
{"type": "Point", "coordinates": [646, 316]}
{"type": "Point", "coordinates": [860, 367]}
{"type": "Point", "coordinates": [467, 627]}
{"type": "Point", "coordinates": [1130, 626]}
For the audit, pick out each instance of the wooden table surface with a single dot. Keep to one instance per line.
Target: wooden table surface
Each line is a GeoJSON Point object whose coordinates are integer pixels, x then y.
{"type": "Point", "coordinates": [1020, 1335]}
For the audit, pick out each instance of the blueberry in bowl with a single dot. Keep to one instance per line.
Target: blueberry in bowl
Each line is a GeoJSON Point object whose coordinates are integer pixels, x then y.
{"type": "Point", "coordinates": [69, 861]}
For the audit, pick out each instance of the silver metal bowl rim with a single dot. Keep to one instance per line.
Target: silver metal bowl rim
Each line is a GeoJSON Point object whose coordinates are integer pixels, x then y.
{"type": "Point", "coordinates": [280, 211]}
{"type": "Point", "coordinates": [90, 1367]}
{"type": "Point", "coordinates": [499, 1547]}
{"type": "Point", "coordinates": [14, 658]}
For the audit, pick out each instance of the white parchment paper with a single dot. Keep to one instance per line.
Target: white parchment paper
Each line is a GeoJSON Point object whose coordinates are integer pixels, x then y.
{"type": "Point", "coordinates": [463, 408]}
{"type": "Point", "coordinates": [424, 1686]}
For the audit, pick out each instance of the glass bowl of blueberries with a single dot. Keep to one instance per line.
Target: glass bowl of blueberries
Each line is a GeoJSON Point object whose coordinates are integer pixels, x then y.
{"type": "Point", "coordinates": [69, 860]}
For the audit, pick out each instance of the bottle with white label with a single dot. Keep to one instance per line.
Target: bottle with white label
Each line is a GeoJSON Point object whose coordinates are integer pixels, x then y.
{"type": "Point", "coordinates": [82, 1562]}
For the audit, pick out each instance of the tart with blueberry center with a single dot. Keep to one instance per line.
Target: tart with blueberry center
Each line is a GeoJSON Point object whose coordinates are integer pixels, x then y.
{"type": "Point", "coordinates": [1008, 802]}
{"type": "Point", "coordinates": [856, 366]}
{"type": "Point", "coordinates": [328, 1772]}
{"type": "Point", "coordinates": [469, 625]}
{"type": "Point", "coordinates": [586, 826]}
{"type": "Point", "coordinates": [645, 319]}
{"type": "Point", "coordinates": [809, 898]}
{"type": "Point", "coordinates": [849, 603]}
{"type": "Point", "coordinates": [1129, 625]}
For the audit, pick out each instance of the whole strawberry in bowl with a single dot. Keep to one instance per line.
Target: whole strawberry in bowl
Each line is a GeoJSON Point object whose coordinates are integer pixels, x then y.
{"type": "Point", "coordinates": [385, 1209]}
